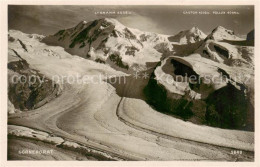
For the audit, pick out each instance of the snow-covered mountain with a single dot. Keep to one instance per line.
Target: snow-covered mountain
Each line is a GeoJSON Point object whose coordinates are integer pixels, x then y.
{"type": "Point", "coordinates": [221, 33]}
{"type": "Point", "coordinates": [24, 95]}
{"type": "Point", "coordinates": [188, 36]}
{"type": "Point", "coordinates": [108, 41]}
{"type": "Point", "coordinates": [223, 68]}
{"type": "Point", "coordinates": [189, 53]}
{"type": "Point", "coordinates": [224, 46]}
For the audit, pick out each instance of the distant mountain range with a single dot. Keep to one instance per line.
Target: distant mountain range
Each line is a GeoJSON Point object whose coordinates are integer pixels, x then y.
{"type": "Point", "coordinates": [108, 41]}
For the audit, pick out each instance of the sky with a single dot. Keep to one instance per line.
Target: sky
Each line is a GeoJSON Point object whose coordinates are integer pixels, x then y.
{"type": "Point", "coordinates": [169, 20]}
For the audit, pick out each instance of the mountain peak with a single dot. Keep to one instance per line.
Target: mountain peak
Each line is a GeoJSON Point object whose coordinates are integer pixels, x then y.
{"type": "Point", "coordinates": [106, 39]}
{"type": "Point", "coordinates": [103, 21]}
{"type": "Point", "coordinates": [83, 22]}
{"type": "Point", "coordinates": [220, 28]}
{"type": "Point", "coordinates": [194, 29]}
{"type": "Point", "coordinates": [188, 36]}
{"type": "Point", "coordinates": [112, 20]}
{"type": "Point", "coordinates": [221, 33]}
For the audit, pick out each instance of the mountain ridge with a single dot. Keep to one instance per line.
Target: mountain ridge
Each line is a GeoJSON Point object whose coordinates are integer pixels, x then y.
{"type": "Point", "coordinates": [103, 38]}
{"type": "Point", "coordinates": [188, 36]}
{"type": "Point", "coordinates": [108, 41]}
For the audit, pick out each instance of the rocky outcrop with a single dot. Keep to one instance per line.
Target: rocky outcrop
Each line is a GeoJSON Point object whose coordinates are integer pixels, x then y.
{"type": "Point", "coordinates": [251, 37]}
{"type": "Point", "coordinates": [228, 105]}
{"type": "Point", "coordinates": [27, 88]}
{"type": "Point", "coordinates": [223, 46]}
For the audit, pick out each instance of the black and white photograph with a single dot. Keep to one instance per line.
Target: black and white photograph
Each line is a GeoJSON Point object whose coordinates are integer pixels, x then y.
{"type": "Point", "coordinates": [130, 83]}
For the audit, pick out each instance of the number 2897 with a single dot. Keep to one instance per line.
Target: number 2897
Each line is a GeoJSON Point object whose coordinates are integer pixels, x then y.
{"type": "Point", "coordinates": [235, 152]}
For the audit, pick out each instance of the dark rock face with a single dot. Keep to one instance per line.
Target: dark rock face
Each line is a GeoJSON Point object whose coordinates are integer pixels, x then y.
{"type": "Point", "coordinates": [30, 91]}
{"type": "Point", "coordinates": [221, 51]}
{"type": "Point", "coordinates": [186, 49]}
{"type": "Point", "coordinates": [251, 36]}
{"type": "Point", "coordinates": [131, 50]}
{"type": "Point", "coordinates": [227, 107]}
{"type": "Point", "coordinates": [84, 35]}
{"type": "Point", "coordinates": [156, 95]}
{"type": "Point", "coordinates": [100, 61]}
{"type": "Point", "coordinates": [118, 61]}
{"type": "Point", "coordinates": [129, 34]}
{"type": "Point", "coordinates": [183, 70]}
{"type": "Point", "coordinates": [163, 48]}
